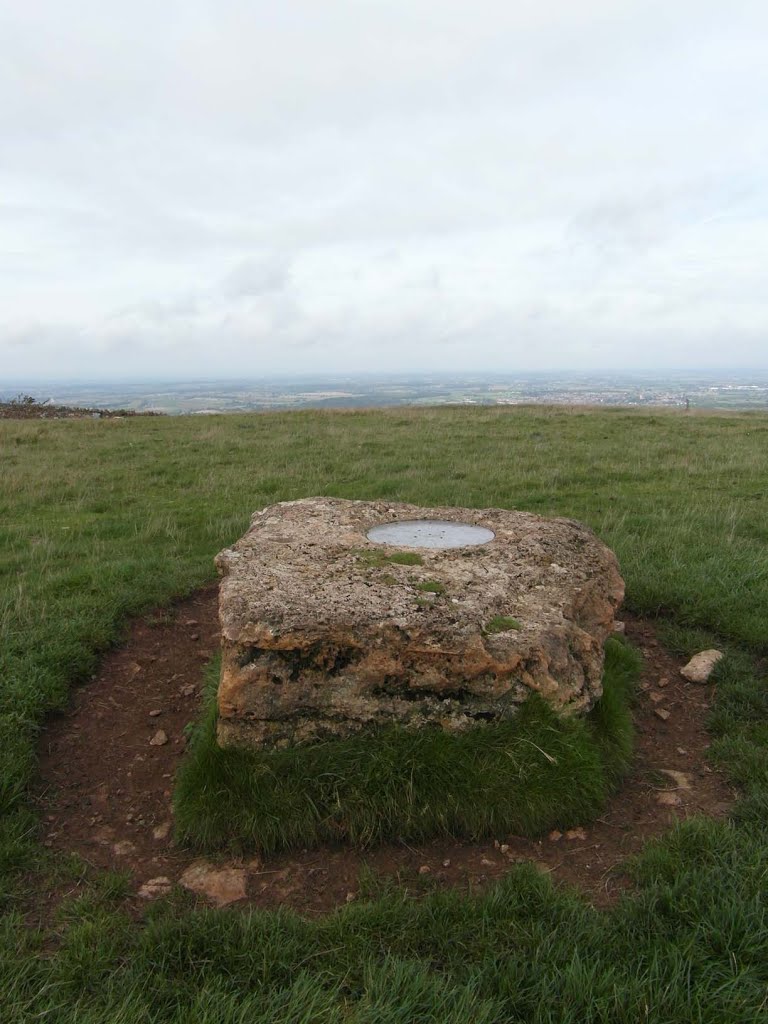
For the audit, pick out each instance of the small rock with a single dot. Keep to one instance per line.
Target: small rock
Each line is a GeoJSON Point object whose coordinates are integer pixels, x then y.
{"type": "Point", "coordinates": [504, 847]}
{"type": "Point", "coordinates": [679, 778]}
{"type": "Point", "coordinates": [425, 869]}
{"type": "Point", "coordinates": [194, 636]}
{"type": "Point", "coordinates": [575, 833]}
{"type": "Point", "coordinates": [663, 682]}
{"type": "Point", "coordinates": [104, 835]}
{"type": "Point", "coordinates": [682, 750]}
{"type": "Point", "coordinates": [619, 627]}
{"type": "Point", "coordinates": [668, 799]}
{"type": "Point", "coordinates": [220, 885]}
{"type": "Point", "coordinates": [657, 698]}
{"type": "Point", "coordinates": [351, 897]}
{"type": "Point", "coordinates": [555, 836]}
{"type": "Point", "coordinates": [159, 739]}
{"type": "Point", "coordinates": [486, 863]}
{"type": "Point", "coordinates": [188, 691]}
{"type": "Point", "coordinates": [699, 668]}
{"type": "Point", "coordinates": [161, 831]}
{"type": "Point", "coordinates": [155, 887]}
{"type": "Point", "coordinates": [155, 713]}
{"type": "Point", "coordinates": [101, 794]}
{"type": "Point", "coordinates": [124, 848]}
{"type": "Point", "coordinates": [447, 862]}
{"type": "Point", "coordinates": [661, 713]}
{"type": "Point", "coordinates": [190, 622]}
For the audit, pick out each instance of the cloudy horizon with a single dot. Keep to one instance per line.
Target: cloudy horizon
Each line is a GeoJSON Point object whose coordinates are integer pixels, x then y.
{"type": "Point", "coordinates": [245, 189]}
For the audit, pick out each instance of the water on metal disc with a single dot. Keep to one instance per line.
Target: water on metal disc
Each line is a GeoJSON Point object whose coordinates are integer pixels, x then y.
{"type": "Point", "coordinates": [430, 533]}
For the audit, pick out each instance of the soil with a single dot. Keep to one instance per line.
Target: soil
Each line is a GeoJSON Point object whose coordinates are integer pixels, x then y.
{"type": "Point", "coordinates": [104, 789]}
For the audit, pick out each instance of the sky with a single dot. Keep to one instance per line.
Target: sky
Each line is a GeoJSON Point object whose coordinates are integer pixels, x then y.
{"type": "Point", "coordinates": [245, 188]}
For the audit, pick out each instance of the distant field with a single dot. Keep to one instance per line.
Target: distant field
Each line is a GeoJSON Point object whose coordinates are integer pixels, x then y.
{"type": "Point", "coordinates": [730, 390]}
{"type": "Point", "coordinates": [100, 519]}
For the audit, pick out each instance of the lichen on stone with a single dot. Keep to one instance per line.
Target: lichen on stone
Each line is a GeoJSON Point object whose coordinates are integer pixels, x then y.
{"type": "Point", "coordinates": [319, 643]}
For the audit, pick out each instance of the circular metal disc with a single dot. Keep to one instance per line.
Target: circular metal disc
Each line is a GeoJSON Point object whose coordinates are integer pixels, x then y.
{"type": "Point", "coordinates": [430, 533]}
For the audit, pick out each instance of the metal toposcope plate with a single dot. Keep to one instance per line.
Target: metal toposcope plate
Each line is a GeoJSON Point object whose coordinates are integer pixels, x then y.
{"type": "Point", "coordinates": [430, 533]}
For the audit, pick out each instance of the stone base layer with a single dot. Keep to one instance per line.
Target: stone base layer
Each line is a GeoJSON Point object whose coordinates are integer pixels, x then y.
{"type": "Point", "coordinates": [326, 634]}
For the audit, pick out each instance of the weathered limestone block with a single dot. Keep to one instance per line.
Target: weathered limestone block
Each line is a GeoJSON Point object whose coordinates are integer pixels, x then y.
{"type": "Point", "coordinates": [326, 633]}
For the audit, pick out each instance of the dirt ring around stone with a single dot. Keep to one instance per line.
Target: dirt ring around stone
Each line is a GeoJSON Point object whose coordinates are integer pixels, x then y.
{"type": "Point", "coordinates": [104, 788]}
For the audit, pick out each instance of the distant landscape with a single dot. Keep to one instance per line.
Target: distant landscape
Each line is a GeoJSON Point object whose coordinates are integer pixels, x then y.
{"type": "Point", "coordinates": [702, 390]}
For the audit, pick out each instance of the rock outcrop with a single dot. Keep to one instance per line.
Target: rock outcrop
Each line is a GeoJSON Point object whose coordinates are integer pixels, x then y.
{"type": "Point", "coordinates": [326, 634]}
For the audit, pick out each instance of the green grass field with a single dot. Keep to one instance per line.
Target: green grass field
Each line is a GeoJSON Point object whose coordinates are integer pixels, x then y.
{"type": "Point", "coordinates": [102, 519]}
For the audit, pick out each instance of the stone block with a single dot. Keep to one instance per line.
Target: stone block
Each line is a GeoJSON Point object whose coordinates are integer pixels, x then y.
{"type": "Point", "coordinates": [326, 633]}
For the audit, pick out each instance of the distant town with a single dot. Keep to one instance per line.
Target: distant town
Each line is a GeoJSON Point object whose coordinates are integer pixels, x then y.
{"type": "Point", "coordinates": [711, 390]}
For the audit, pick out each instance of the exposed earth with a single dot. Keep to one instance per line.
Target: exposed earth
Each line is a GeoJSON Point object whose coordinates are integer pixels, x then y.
{"type": "Point", "coordinates": [107, 767]}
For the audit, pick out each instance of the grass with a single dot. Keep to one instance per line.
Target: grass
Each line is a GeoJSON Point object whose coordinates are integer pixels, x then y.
{"type": "Point", "coordinates": [518, 952]}
{"type": "Point", "coordinates": [431, 587]}
{"type": "Point", "coordinates": [103, 519]}
{"type": "Point", "coordinates": [502, 624]}
{"type": "Point", "coordinates": [377, 559]}
{"type": "Point", "coordinates": [527, 775]}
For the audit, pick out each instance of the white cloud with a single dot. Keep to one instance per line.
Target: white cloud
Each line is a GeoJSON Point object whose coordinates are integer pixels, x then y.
{"type": "Point", "coordinates": [374, 183]}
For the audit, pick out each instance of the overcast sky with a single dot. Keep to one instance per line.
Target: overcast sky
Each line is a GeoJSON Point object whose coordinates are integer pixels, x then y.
{"type": "Point", "coordinates": [243, 187]}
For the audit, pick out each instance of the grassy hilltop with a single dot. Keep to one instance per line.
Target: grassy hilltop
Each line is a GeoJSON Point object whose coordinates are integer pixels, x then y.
{"type": "Point", "coordinates": [100, 519]}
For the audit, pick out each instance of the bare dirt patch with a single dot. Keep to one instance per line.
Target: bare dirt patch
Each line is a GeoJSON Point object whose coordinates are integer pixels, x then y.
{"type": "Point", "coordinates": [107, 767]}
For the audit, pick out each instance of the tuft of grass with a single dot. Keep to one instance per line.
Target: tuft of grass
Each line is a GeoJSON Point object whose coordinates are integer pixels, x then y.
{"type": "Point", "coordinates": [404, 558]}
{"type": "Point", "coordinates": [531, 773]}
{"type": "Point", "coordinates": [377, 559]}
{"type": "Point", "coordinates": [502, 624]}
{"type": "Point", "coordinates": [431, 587]}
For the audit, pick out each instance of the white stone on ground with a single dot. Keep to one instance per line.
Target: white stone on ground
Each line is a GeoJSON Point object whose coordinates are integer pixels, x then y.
{"type": "Point", "coordinates": [162, 830]}
{"type": "Point", "coordinates": [155, 888]}
{"type": "Point", "coordinates": [681, 779]}
{"type": "Point", "coordinates": [220, 885]}
{"type": "Point", "coordinates": [701, 666]}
